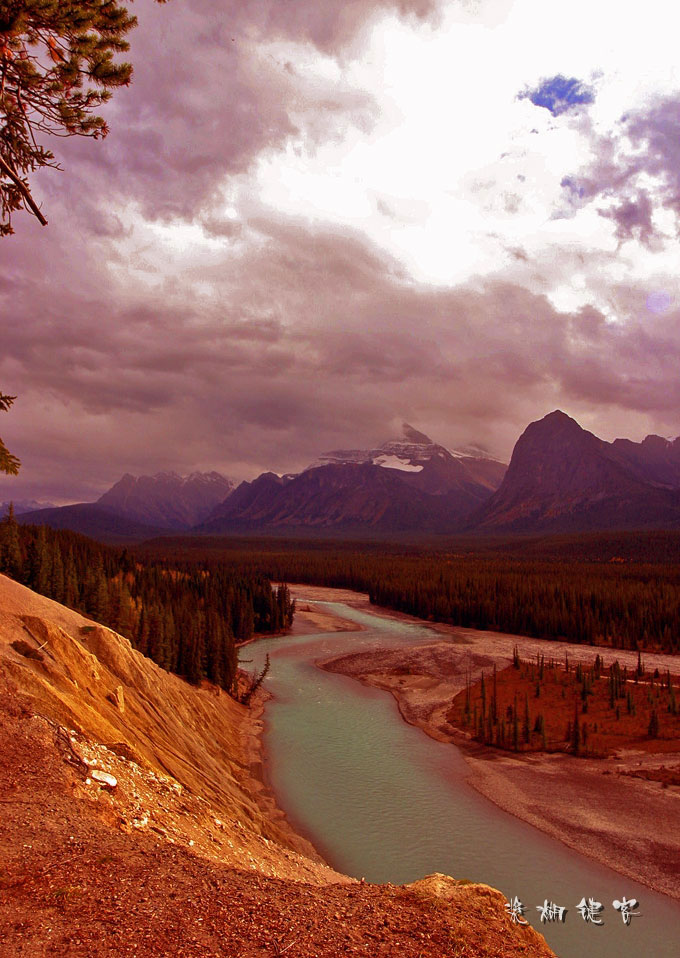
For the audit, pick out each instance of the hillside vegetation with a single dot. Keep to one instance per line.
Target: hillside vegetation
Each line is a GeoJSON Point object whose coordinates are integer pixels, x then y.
{"type": "Point", "coordinates": [185, 617]}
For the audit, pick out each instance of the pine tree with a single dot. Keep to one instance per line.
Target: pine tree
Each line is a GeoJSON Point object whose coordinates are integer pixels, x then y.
{"type": "Point", "coordinates": [9, 464]}
{"type": "Point", "coordinates": [11, 559]}
{"type": "Point", "coordinates": [653, 727]}
{"type": "Point", "coordinates": [575, 732]}
{"type": "Point", "coordinates": [526, 729]}
{"type": "Point", "coordinates": [57, 575]}
{"type": "Point", "coordinates": [58, 67]}
{"type": "Point", "coordinates": [194, 672]}
{"type": "Point", "coordinates": [70, 581]}
{"type": "Point", "coordinates": [142, 636]}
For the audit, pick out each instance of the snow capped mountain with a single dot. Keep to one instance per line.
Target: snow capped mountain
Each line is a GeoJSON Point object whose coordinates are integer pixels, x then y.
{"type": "Point", "coordinates": [395, 462]}
{"type": "Point", "coordinates": [407, 484]}
{"type": "Point", "coordinates": [407, 454]}
{"type": "Point", "coordinates": [473, 452]}
{"type": "Point", "coordinates": [415, 454]}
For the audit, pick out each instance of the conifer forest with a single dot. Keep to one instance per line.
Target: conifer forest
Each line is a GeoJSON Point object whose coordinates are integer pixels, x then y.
{"type": "Point", "coordinates": [626, 603]}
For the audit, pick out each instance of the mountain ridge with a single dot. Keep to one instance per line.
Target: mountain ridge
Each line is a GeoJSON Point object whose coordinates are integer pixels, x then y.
{"type": "Point", "coordinates": [562, 477]}
{"type": "Point", "coordinates": [167, 499]}
{"type": "Point", "coordinates": [407, 484]}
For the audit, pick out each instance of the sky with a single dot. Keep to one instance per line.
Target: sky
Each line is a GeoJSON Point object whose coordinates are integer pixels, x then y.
{"type": "Point", "coordinates": [311, 221]}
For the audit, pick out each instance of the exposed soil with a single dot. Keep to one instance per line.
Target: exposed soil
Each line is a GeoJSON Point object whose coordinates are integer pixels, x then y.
{"type": "Point", "coordinates": [90, 679]}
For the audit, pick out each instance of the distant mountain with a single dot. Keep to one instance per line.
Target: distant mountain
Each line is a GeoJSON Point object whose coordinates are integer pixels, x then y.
{"type": "Point", "coordinates": [167, 500]}
{"type": "Point", "coordinates": [407, 484]}
{"type": "Point", "coordinates": [24, 505]}
{"type": "Point", "coordinates": [138, 508]}
{"type": "Point", "coordinates": [91, 519]}
{"type": "Point", "coordinates": [654, 460]}
{"type": "Point", "coordinates": [426, 464]}
{"type": "Point", "coordinates": [345, 496]}
{"type": "Point", "coordinates": [563, 478]}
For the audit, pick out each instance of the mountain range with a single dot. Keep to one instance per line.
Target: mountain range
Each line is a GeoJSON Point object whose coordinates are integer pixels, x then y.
{"type": "Point", "coordinates": [141, 507]}
{"type": "Point", "coordinates": [167, 500]}
{"type": "Point", "coordinates": [24, 505]}
{"type": "Point", "coordinates": [560, 478]}
{"type": "Point", "coordinates": [407, 484]}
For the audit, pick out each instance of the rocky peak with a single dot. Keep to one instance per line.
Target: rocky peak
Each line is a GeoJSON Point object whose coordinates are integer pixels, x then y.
{"type": "Point", "coordinates": [412, 435]}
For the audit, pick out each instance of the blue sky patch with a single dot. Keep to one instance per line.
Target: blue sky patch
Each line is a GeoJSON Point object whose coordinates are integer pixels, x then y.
{"type": "Point", "coordinates": [559, 94]}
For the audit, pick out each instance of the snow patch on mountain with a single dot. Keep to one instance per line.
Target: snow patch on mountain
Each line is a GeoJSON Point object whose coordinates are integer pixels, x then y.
{"type": "Point", "coordinates": [395, 462]}
{"type": "Point", "coordinates": [473, 452]}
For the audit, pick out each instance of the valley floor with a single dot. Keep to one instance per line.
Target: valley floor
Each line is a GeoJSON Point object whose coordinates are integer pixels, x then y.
{"type": "Point", "coordinates": [182, 854]}
{"type": "Point", "coordinates": [596, 806]}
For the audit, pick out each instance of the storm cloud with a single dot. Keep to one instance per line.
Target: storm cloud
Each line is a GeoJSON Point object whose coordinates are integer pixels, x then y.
{"type": "Point", "coordinates": [636, 171]}
{"type": "Point", "coordinates": [170, 318]}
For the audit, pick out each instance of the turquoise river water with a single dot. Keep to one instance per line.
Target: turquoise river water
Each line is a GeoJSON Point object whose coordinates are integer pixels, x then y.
{"type": "Point", "coordinates": [382, 800]}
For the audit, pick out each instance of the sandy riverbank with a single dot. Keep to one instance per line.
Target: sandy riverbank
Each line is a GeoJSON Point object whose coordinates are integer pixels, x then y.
{"type": "Point", "coordinates": [593, 806]}
{"type": "Point", "coordinates": [309, 620]}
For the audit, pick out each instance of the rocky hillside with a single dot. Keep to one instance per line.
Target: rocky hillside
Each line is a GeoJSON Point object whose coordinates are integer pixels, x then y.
{"type": "Point", "coordinates": [134, 822]}
{"type": "Point", "coordinates": [167, 500]}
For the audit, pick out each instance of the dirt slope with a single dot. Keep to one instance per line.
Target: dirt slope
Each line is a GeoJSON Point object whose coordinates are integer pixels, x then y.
{"type": "Point", "coordinates": [200, 737]}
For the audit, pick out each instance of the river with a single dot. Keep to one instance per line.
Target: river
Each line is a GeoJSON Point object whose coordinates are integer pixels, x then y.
{"type": "Point", "coordinates": [382, 800]}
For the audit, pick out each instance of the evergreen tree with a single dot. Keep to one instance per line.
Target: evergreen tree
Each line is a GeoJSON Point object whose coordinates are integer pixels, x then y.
{"type": "Point", "coordinates": [56, 586]}
{"type": "Point", "coordinates": [58, 67]}
{"type": "Point", "coordinates": [575, 732]}
{"type": "Point", "coordinates": [9, 464]}
{"type": "Point", "coordinates": [653, 727]}
{"type": "Point", "coordinates": [11, 558]}
{"type": "Point", "coordinates": [70, 580]}
{"type": "Point", "coordinates": [526, 732]}
{"type": "Point", "coordinates": [40, 568]}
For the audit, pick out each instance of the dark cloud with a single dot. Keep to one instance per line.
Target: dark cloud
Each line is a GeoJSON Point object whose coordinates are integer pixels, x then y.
{"type": "Point", "coordinates": [634, 171]}
{"type": "Point", "coordinates": [633, 217]}
{"type": "Point", "coordinates": [330, 25]}
{"type": "Point", "coordinates": [210, 95]}
{"type": "Point", "coordinates": [276, 339]}
{"type": "Point", "coordinates": [312, 339]}
{"type": "Point", "coordinates": [559, 94]}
